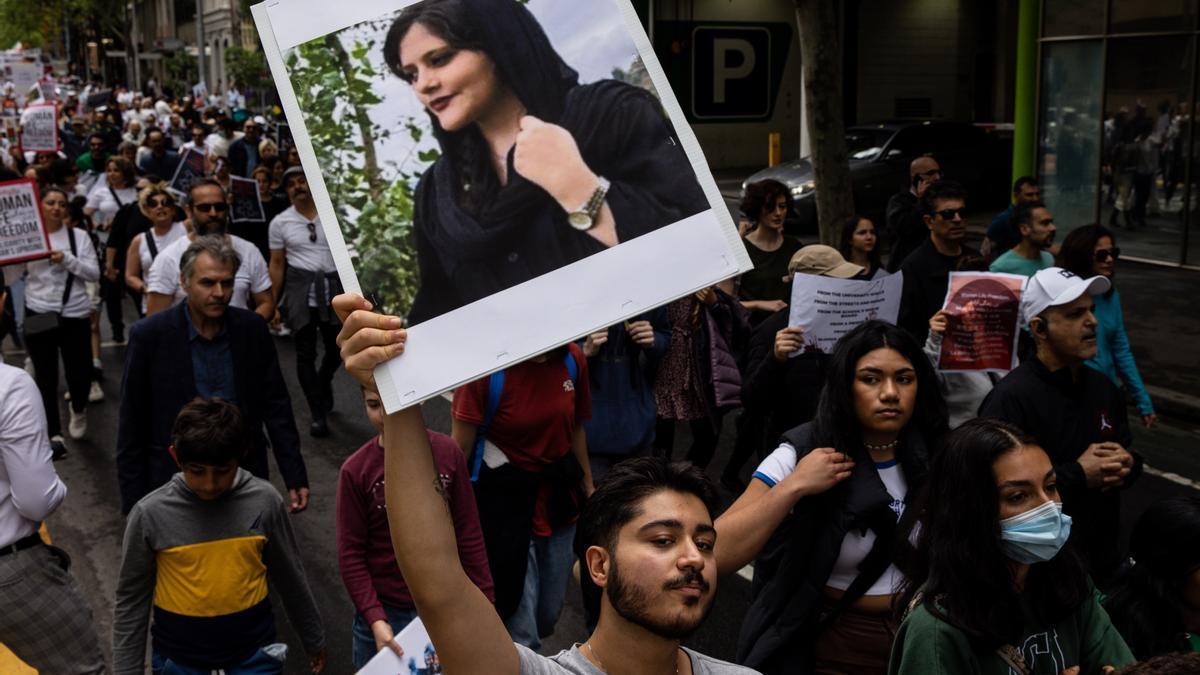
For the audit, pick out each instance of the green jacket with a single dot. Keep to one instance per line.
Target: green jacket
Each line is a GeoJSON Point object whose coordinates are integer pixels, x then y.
{"type": "Point", "coordinates": [926, 645]}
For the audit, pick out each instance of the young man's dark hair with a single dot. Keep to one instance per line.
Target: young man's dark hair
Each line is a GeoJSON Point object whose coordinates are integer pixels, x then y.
{"type": "Point", "coordinates": [943, 189]}
{"type": "Point", "coordinates": [1022, 182]}
{"type": "Point", "coordinates": [1023, 215]}
{"type": "Point", "coordinates": [617, 500]}
{"type": "Point", "coordinates": [209, 431]}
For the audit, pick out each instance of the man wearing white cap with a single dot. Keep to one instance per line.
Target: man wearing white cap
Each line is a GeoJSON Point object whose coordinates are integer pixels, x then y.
{"type": "Point", "coordinates": [1075, 412]}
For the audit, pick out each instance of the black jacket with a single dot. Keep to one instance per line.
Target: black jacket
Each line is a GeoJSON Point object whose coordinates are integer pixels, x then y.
{"type": "Point", "coordinates": [786, 393]}
{"type": "Point", "coordinates": [158, 381]}
{"type": "Point", "coordinates": [1067, 415]}
{"type": "Point", "coordinates": [926, 277]}
{"type": "Point", "coordinates": [906, 229]}
{"type": "Point", "coordinates": [782, 625]}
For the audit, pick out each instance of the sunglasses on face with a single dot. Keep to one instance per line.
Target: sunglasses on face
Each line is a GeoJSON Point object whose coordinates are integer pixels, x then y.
{"type": "Point", "coordinates": [948, 214]}
{"type": "Point", "coordinates": [312, 232]}
{"type": "Point", "coordinates": [219, 207]}
{"type": "Point", "coordinates": [157, 203]}
{"type": "Point", "coordinates": [1103, 254]}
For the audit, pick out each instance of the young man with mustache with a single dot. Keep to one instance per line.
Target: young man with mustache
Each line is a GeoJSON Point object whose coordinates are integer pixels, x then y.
{"type": "Point", "coordinates": [646, 542]}
{"type": "Point", "coordinates": [1075, 412]}
{"type": "Point", "coordinates": [1032, 253]}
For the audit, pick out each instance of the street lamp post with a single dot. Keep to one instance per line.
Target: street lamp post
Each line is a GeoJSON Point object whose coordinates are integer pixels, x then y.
{"type": "Point", "coordinates": [200, 55]}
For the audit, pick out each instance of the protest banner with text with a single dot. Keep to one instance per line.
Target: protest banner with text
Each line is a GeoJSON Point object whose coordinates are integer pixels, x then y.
{"type": "Point", "coordinates": [247, 203]}
{"type": "Point", "coordinates": [190, 170]}
{"type": "Point", "coordinates": [982, 323]}
{"type": "Point", "coordinates": [23, 233]}
{"type": "Point", "coordinates": [828, 308]}
{"type": "Point", "coordinates": [39, 128]}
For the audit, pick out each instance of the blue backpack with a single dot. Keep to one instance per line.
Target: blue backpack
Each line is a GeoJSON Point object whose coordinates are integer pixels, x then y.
{"type": "Point", "coordinates": [495, 389]}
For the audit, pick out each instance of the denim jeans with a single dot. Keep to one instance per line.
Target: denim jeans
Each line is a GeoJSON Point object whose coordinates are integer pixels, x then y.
{"type": "Point", "coordinates": [363, 649]}
{"type": "Point", "coordinates": [268, 660]}
{"type": "Point", "coordinates": [550, 560]}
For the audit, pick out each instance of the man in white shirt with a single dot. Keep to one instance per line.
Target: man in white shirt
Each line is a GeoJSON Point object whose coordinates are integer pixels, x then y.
{"type": "Point", "coordinates": [44, 618]}
{"type": "Point", "coordinates": [208, 211]}
{"type": "Point", "coordinates": [299, 248]}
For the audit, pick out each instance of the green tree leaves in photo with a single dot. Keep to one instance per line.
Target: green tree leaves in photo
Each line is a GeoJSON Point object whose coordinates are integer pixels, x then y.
{"type": "Point", "coordinates": [335, 88]}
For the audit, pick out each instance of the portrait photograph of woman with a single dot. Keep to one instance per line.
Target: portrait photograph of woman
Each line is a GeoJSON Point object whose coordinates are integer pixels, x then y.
{"type": "Point", "coordinates": [551, 143]}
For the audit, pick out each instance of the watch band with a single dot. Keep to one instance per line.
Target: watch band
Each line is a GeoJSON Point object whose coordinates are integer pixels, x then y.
{"type": "Point", "coordinates": [584, 217]}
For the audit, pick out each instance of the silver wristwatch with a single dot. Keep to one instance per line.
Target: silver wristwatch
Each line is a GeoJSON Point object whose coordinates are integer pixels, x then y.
{"type": "Point", "coordinates": [584, 217]}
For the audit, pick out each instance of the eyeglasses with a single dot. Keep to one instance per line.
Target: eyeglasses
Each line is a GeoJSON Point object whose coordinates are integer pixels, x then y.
{"type": "Point", "coordinates": [219, 207]}
{"type": "Point", "coordinates": [1103, 254]}
{"type": "Point", "coordinates": [156, 203]}
{"type": "Point", "coordinates": [312, 232]}
{"type": "Point", "coordinates": [948, 214]}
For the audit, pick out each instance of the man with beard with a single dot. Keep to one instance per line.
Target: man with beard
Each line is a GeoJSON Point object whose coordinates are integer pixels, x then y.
{"type": "Point", "coordinates": [208, 210]}
{"type": "Point", "coordinates": [299, 248]}
{"type": "Point", "coordinates": [1076, 413]}
{"type": "Point", "coordinates": [1031, 254]}
{"type": "Point", "coordinates": [204, 347]}
{"type": "Point", "coordinates": [645, 540]}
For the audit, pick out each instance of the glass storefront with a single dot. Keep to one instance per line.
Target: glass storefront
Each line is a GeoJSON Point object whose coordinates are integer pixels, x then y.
{"type": "Point", "coordinates": [1117, 88]}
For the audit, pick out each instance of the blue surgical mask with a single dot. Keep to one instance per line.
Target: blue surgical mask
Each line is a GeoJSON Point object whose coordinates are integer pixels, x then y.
{"type": "Point", "coordinates": [1036, 535]}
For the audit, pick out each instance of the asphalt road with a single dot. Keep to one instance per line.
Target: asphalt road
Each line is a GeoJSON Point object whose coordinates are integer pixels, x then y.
{"type": "Point", "coordinates": [90, 527]}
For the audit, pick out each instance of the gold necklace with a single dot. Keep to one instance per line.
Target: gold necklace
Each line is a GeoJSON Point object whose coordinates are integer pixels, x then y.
{"type": "Point", "coordinates": [592, 651]}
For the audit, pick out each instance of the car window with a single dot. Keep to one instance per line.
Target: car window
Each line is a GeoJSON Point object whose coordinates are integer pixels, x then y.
{"type": "Point", "coordinates": [957, 137]}
{"type": "Point", "coordinates": [866, 142]}
{"type": "Point", "coordinates": [914, 141]}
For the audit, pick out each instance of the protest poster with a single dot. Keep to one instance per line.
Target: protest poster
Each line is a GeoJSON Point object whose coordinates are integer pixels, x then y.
{"type": "Point", "coordinates": [603, 209]}
{"type": "Point", "coordinates": [982, 325]}
{"type": "Point", "coordinates": [48, 91]}
{"type": "Point", "coordinates": [23, 234]}
{"type": "Point", "coordinates": [828, 308]}
{"type": "Point", "coordinates": [39, 128]}
{"type": "Point", "coordinates": [25, 76]}
{"type": "Point", "coordinates": [190, 169]}
{"type": "Point", "coordinates": [420, 658]}
{"type": "Point", "coordinates": [247, 203]}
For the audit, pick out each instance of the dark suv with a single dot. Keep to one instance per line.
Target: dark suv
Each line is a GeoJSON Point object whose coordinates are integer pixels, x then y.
{"type": "Point", "coordinates": [879, 157]}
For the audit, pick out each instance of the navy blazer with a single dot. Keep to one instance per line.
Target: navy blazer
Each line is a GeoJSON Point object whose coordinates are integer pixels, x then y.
{"type": "Point", "coordinates": [158, 381]}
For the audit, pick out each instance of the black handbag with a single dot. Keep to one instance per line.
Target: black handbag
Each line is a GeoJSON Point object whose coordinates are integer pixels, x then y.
{"type": "Point", "coordinates": [45, 322]}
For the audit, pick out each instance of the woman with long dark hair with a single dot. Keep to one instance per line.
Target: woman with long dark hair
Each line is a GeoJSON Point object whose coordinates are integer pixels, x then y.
{"type": "Point", "coordinates": [990, 587]}
{"type": "Point", "coordinates": [536, 170]}
{"type": "Point", "coordinates": [1156, 602]}
{"type": "Point", "coordinates": [860, 245]}
{"type": "Point", "coordinates": [823, 513]}
{"type": "Point", "coordinates": [1090, 251]}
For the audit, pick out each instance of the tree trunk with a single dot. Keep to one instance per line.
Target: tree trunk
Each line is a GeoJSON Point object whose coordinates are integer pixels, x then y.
{"type": "Point", "coordinates": [374, 184]}
{"type": "Point", "coordinates": [820, 53]}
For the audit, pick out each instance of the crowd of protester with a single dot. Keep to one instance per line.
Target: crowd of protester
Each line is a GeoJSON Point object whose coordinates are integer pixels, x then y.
{"type": "Point", "coordinates": [898, 518]}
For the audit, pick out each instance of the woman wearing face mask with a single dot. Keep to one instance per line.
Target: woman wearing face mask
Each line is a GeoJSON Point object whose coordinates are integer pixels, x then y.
{"type": "Point", "coordinates": [831, 501]}
{"type": "Point", "coordinates": [1156, 602]}
{"type": "Point", "coordinates": [860, 245]}
{"type": "Point", "coordinates": [536, 171]}
{"type": "Point", "coordinates": [991, 589]}
{"type": "Point", "coordinates": [1090, 251]}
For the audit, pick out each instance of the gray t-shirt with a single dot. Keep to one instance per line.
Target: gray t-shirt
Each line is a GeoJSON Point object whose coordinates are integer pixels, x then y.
{"type": "Point", "coordinates": [573, 662]}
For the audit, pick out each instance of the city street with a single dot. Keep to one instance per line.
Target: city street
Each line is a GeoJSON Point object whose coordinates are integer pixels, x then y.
{"type": "Point", "coordinates": [90, 527]}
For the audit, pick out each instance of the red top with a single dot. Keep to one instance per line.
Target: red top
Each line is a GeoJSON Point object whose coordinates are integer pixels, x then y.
{"type": "Point", "coordinates": [364, 544]}
{"type": "Point", "coordinates": [538, 412]}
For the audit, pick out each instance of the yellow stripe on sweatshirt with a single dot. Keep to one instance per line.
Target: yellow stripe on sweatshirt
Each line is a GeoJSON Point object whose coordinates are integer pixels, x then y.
{"type": "Point", "coordinates": [214, 578]}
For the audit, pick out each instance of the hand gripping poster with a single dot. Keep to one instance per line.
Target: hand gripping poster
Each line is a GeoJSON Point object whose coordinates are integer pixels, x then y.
{"type": "Point", "coordinates": [982, 322]}
{"type": "Point", "coordinates": [506, 175]}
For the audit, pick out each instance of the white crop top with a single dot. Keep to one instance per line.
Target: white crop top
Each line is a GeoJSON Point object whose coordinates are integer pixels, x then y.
{"type": "Point", "coordinates": [855, 546]}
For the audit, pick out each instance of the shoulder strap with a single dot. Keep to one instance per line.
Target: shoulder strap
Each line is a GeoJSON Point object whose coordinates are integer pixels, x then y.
{"type": "Point", "coordinates": [495, 389]}
{"type": "Point", "coordinates": [151, 244]}
{"type": "Point", "coordinates": [70, 276]}
{"type": "Point", "coordinates": [115, 197]}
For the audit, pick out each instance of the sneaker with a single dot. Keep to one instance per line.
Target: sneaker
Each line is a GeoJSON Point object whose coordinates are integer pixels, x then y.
{"type": "Point", "coordinates": [96, 394]}
{"type": "Point", "coordinates": [58, 447]}
{"type": "Point", "coordinates": [284, 331]}
{"type": "Point", "coordinates": [77, 427]}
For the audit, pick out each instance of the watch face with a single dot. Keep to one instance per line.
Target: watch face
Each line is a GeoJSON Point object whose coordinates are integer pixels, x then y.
{"type": "Point", "coordinates": [579, 220]}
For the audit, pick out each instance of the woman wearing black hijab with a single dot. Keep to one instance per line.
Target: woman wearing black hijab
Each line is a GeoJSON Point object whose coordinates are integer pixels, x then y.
{"type": "Point", "coordinates": [537, 171]}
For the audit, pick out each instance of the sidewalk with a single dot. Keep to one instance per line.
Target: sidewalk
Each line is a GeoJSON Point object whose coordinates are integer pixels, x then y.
{"type": "Point", "coordinates": [1160, 317]}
